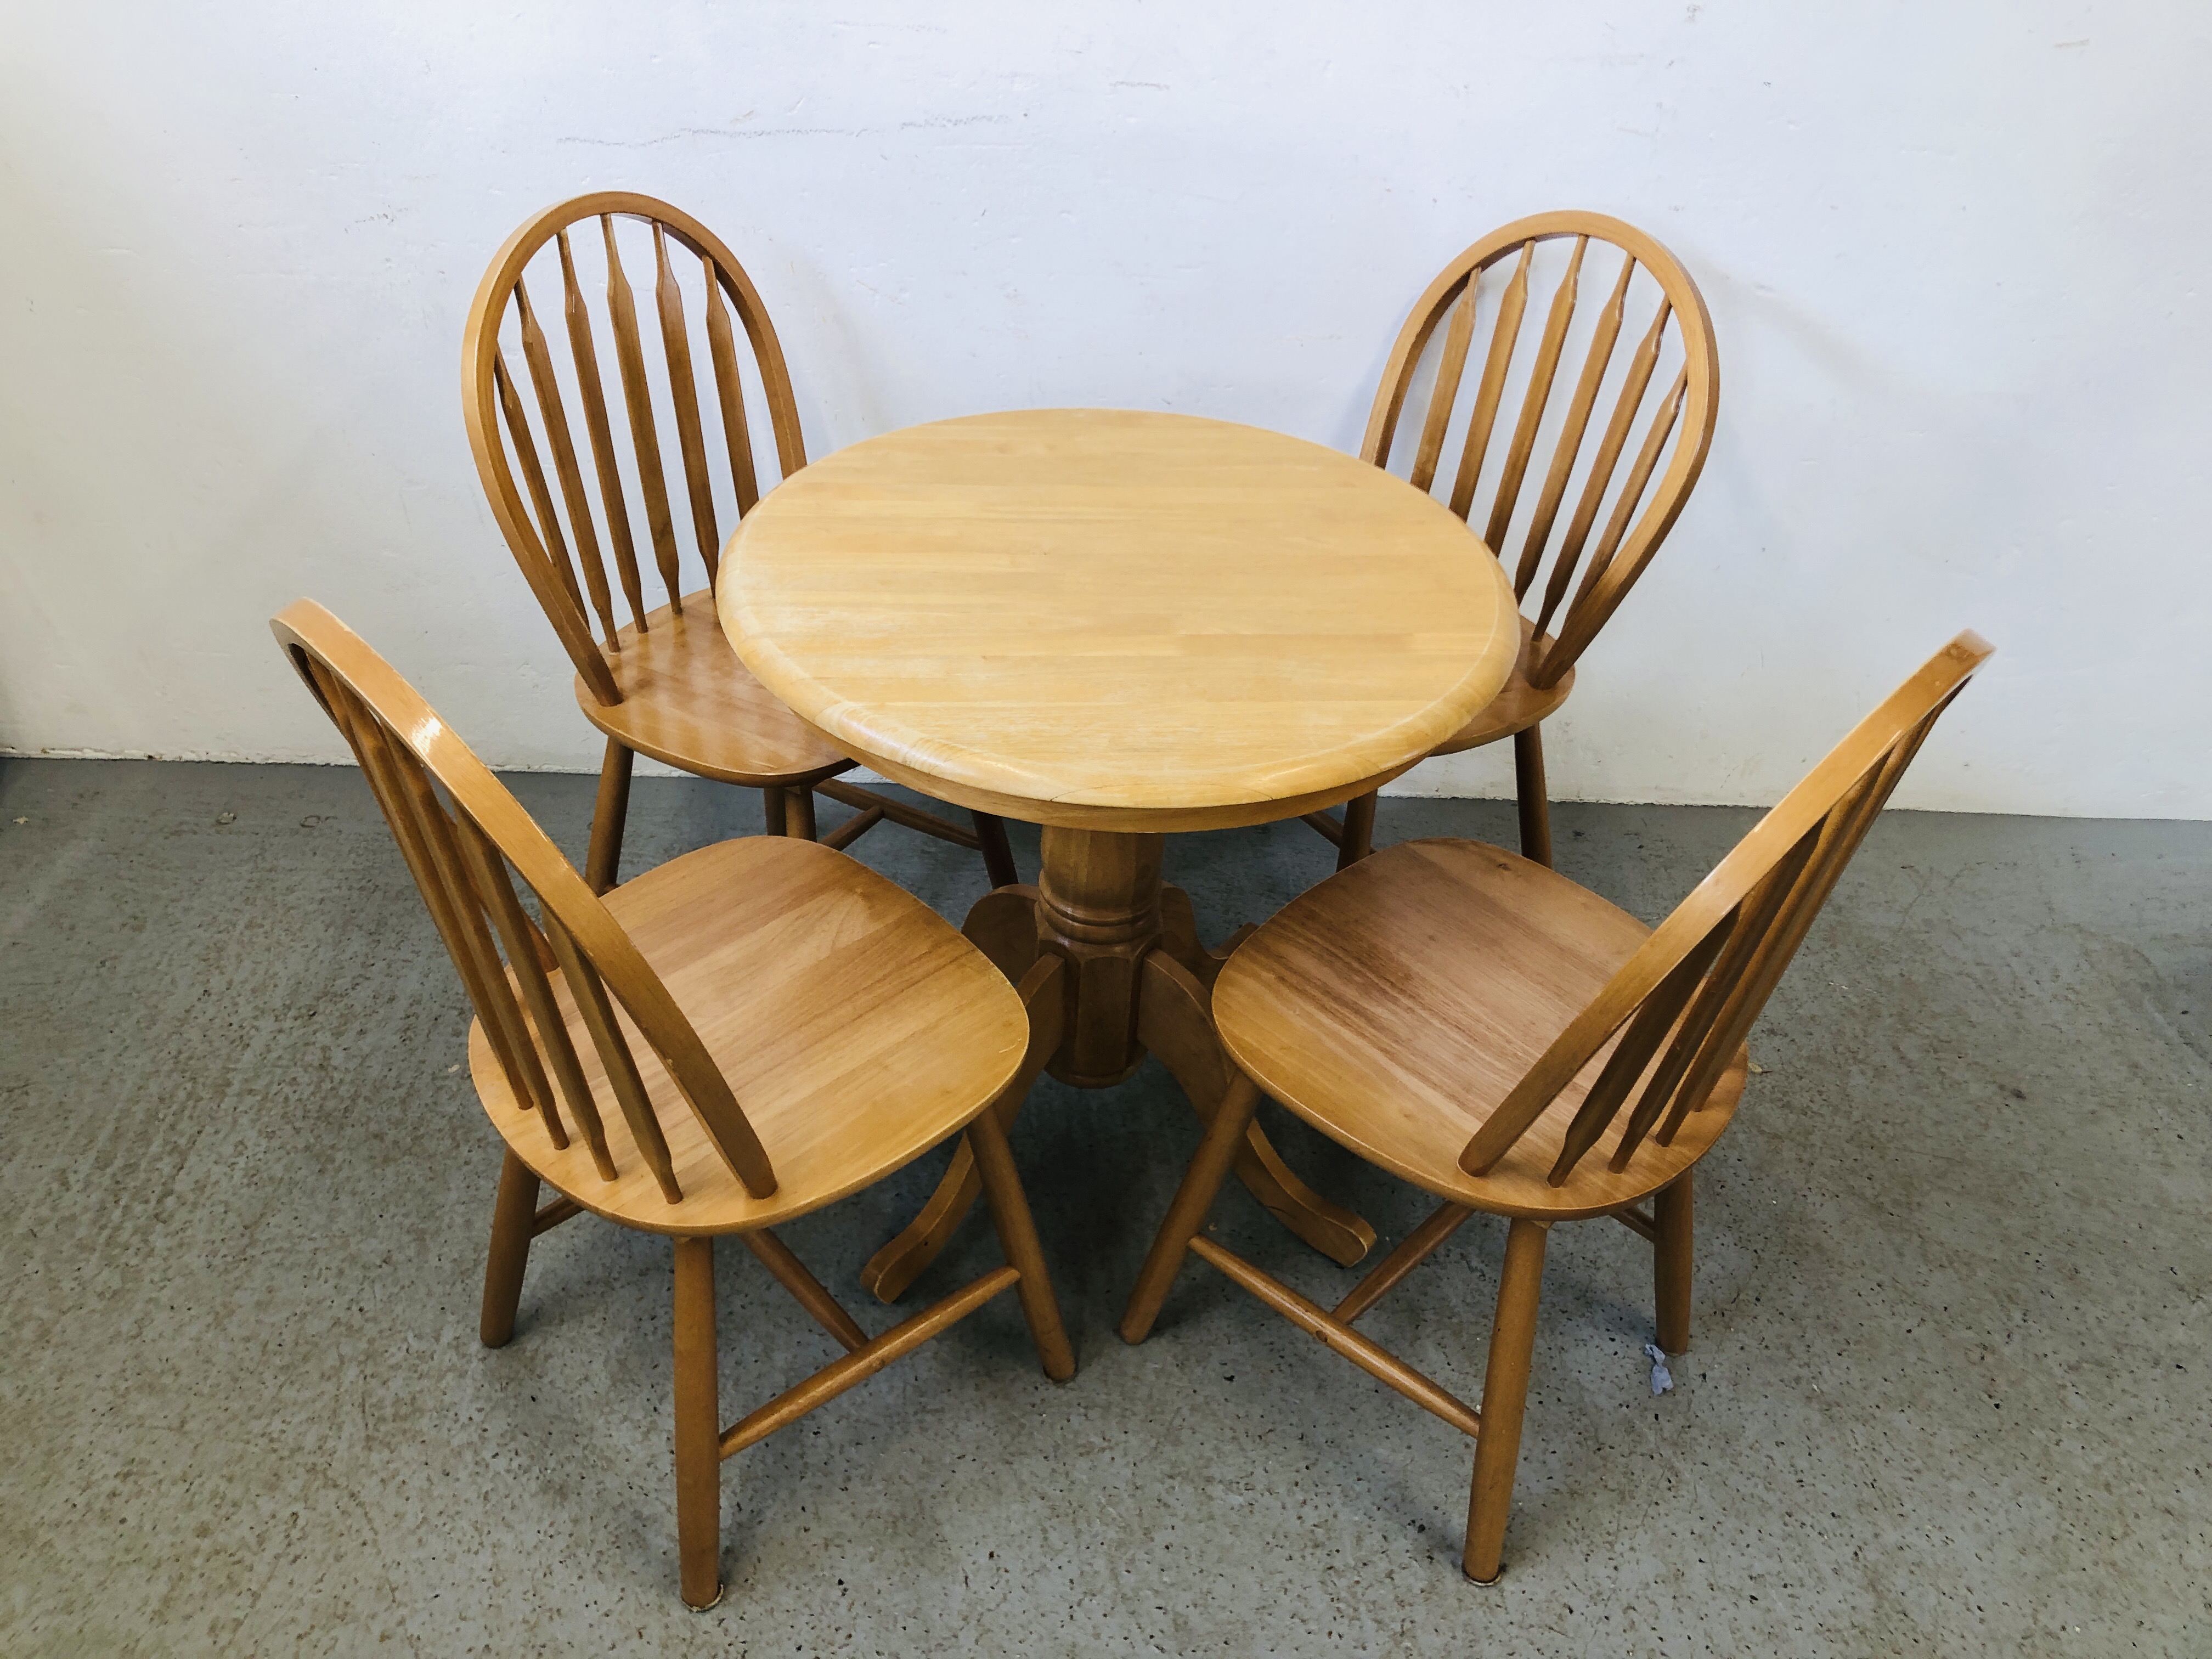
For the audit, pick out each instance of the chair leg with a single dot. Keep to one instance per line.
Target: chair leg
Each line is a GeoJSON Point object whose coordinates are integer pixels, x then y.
{"type": "Point", "coordinates": [1017, 1239]}
{"type": "Point", "coordinates": [603, 863]}
{"type": "Point", "coordinates": [698, 1426]}
{"type": "Point", "coordinates": [1670, 1261]}
{"type": "Point", "coordinates": [1505, 1393]}
{"type": "Point", "coordinates": [1528, 789]}
{"type": "Point", "coordinates": [513, 1215]}
{"type": "Point", "coordinates": [1358, 831]}
{"type": "Point", "coordinates": [1224, 1137]}
{"type": "Point", "coordinates": [778, 821]}
{"type": "Point", "coordinates": [998, 856]}
{"type": "Point", "coordinates": [799, 813]}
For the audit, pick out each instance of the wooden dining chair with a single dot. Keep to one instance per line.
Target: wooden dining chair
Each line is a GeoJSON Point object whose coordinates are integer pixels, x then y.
{"type": "Point", "coordinates": [728, 1042]}
{"type": "Point", "coordinates": [665, 683]}
{"type": "Point", "coordinates": [1574, 564]}
{"type": "Point", "coordinates": [1510, 1042]}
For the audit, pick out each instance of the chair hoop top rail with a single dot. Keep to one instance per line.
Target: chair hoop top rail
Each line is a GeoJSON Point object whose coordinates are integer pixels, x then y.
{"type": "Point", "coordinates": [1685, 411]}
{"type": "Point", "coordinates": [493, 392]}
{"type": "Point", "coordinates": [310, 633]}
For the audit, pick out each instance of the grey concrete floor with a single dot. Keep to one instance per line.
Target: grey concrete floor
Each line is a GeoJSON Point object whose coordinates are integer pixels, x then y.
{"type": "Point", "coordinates": [1949, 1390]}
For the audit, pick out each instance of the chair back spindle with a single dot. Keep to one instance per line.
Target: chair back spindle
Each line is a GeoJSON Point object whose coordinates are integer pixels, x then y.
{"type": "Point", "coordinates": [1643, 284]}
{"type": "Point", "coordinates": [465, 838]}
{"type": "Point", "coordinates": [1676, 1012]}
{"type": "Point", "coordinates": [563, 531]}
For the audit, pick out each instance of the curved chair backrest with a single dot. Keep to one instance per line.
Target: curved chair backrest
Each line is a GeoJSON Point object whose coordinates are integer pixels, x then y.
{"type": "Point", "coordinates": [459, 848]}
{"type": "Point", "coordinates": [504, 329]}
{"type": "Point", "coordinates": [1675, 352]}
{"type": "Point", "coordinates": [1698, 984]}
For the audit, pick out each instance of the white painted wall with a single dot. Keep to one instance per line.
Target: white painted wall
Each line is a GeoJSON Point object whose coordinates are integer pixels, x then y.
{"type": "Point", "coordinates": [1954, 254]}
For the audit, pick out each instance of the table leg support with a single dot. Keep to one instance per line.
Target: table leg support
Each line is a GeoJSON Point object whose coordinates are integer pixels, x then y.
{"type": "Point", "coordinates": [1110, 964]}
{"type": "Point", "coordinates": [1003, 925]}
{"type": "Point", "coordinates": [1098, 905]}
{"type": "Point", "coordinates": [1179, 938]}
{"type": "Point", "coordinates": [1175, 1021]}
{"type": "Point", "coordinates": [892, 1270]}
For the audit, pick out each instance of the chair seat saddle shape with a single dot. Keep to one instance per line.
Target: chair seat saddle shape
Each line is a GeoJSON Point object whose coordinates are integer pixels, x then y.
{"type": "Point", "coordinates": [1573, 435]}
{"type": "Point", "coordinates": [856, 1024]}
{"type": "Point", "coordinates": [735, 1039]}
{"type": "Point", "coordinates": [1396, 1007]}
{"type": "Point", "coordinates": [567, 400]}
{"type": "Point", "coordinates": [1511, 1043]}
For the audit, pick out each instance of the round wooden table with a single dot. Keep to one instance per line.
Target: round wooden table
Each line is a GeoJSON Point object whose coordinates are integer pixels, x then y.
{"type": "Point", "coordinates": [1117, 624]}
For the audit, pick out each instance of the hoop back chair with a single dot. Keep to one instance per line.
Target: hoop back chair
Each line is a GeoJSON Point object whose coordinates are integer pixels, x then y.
{"type": "Point", "coordinates": [1508, 1041]}
{"type": "Point", "coordinates": [730, 1041]}
{"type": "Point", "coordinates": [664, 684]}
{"type": "Point", "coordinates": [1577, 540]}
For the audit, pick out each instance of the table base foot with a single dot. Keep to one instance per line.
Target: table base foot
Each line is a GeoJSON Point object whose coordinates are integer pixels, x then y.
{"type": "Point", "coordinates": [1175, 1021]}
{"type": "Point", "coordinates": [1179, 938]}
{"type": "Point", "coordinates": [1003, 925]}
{"type": "Point", "coordinates": [893, 1268]}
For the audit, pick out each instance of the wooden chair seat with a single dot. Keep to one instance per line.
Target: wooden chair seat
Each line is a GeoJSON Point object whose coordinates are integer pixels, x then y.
{"type": "Point", "coordinates": [726, 1043]}
{"type": "Point", "coordinates": [1517, 707]}
{"type": "Point", "coordinates": [688, 702]}
{"type": "Point", "coordinates": [1490, 1031]}
{"type": "Point", "coordinates": [1395, 1006]}
{"type": "Point", "coordinates": [734, 1039]}
{"type": "Point", "coordinates": [857, 1028]}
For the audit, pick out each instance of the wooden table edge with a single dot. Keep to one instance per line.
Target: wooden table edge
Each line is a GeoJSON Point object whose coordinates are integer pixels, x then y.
{"type": "Point", "coordinates": [1120, 819]}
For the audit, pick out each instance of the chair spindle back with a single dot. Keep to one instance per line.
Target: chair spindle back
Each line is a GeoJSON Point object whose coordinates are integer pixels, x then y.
{"type": "Point", "coordinates": [554, 528]}
{"type": "Point", "coordinates": [1689, 995]}
{"type": "Point", "coordinates": [460, 847]}
{"type": "Point", "coordinates": [1669, 382]}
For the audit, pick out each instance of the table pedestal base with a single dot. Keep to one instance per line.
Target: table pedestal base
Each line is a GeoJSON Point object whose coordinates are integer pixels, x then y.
{"type": "Point", "coordinates": [1098, 907]}
{"type": "Point", "coordinates": [1109, 963]}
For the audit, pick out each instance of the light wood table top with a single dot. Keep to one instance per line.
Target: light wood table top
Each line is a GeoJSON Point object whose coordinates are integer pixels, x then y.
{"type": "Point", "coordinates": [1118, 620]}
